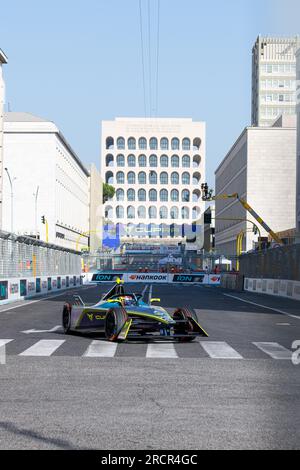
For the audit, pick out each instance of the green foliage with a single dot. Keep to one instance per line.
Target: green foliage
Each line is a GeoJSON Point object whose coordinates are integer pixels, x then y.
{"type": "Point", "coordinates": [108, 192]}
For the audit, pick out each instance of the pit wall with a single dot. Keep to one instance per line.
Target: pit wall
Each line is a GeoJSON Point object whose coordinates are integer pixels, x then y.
{"type": "Point", "coordinates": [150, 278]}
{"type": "Point", "coordinates": [276, 287]}
{"type": "Point", "coordinates": [14, 289]}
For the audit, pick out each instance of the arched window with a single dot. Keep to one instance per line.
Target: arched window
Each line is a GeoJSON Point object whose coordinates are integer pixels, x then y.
{"type": "Point", "coordinates": [196, 178]}
{"type": "Point", "coordinates": [175, 161]}
{"type": "Point", "coordinates": [175, 144]}
{"type": "Point", "coordinates": [185, 212]}
{"type": "Point", "coordinates": [196, 213]}
{"type": "Point", "coordinates": [131, 178]}
{"type": "Point", "coordinates": [120, 195]}
{"type": "Point", "coordinates": [131, 195]}
{"type": "Point", "coordinates": [120, 212]}
{"type": "Point", "coordinates": [163, 212]}
{"type": "Point", "coordinates": [153, 161]}
{"type": "Point", "coordinates": [185, 195]}
{"type": "Point", "coordinates": [109, 160]}
{"type": "Point", "coordinates": [196, 161]}
{"type": "Point", "coordinates": [142, 177]}
{"type": "Point", "coordinates": [141, 212]}
{"type": "Point", "coordinates": [120, 160]}
{"type": "Point", "coordinates": [120, 177]}
{"type": "Point", "coordinates": [153, 143]}
{"type": "Point", "coordinates": [131, 160]}
{"type": "Point", "coordinates": [142, 143]}
{"type": "Point", "coordinates": [153, 177]}
{"type": "Point", "coordinates": [109, 177]}
{"type": "Point", "coordinates": [108, 212]}
{"type": "Point", "coordinates": [163, 195]}
{"type": "Point", "coordinates": [174, 195]}
{"type": "Point", "coordinates": [196, 143]}
{"type": "Point", "coordinates": [174, 213]}
{"type": "Point", "coordinates": [109, 143]}
{"type": "Point", "coordinates": [152, 212]}
{"type": "Point", "coordinates": [142, 161]}
{"type": "Point", "coordinates": [175, 178]}
{"type": "Point", "coordinates": [186, 161]}
{"type": "Point", "coordinates": [186, 144]}
{"type": "Point", "coordinates": [164, 161]}
{"type": "Point", "coordinates": [152, 195]}
{"type": "Point", "coordinates": [164, 144]}
{"type": "Point", "coordinates": [120, 143]}
{"type": "Point", "coordinates": [130, 212]}
{"type": "Point", "coordinates": [164, 179]}
{"type": "Point", "coordinates": [131, 143]}
{"type": "Point", "coordinates": [142, 195]}
{"type": "Point", "coordinates": [185, 178]}
{"type": "Point", "coordinates": [196, 195]}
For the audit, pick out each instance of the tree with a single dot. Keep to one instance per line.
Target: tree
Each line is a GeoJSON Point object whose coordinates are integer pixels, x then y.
{"type": "Point", "coordinates": [108, 192]}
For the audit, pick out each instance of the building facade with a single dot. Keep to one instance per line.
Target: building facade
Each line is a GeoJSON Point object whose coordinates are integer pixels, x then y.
{"type": "Point", "coordinates": [298, 144]}
{"type": "Point", "coordinates": [3, 60]}
{"type": "Point", "coordinates": [157, 167]}
{"type": "Point", "coordinates": [273, 79]}
{"type": "Point", "coordinates": [96, 209]}
{"type": "Point", "coordinates": [47, 179]}
{"type": "Point", "coordinates": [261, 168]}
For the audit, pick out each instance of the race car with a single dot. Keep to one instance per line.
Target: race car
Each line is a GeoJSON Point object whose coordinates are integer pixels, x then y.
{"type": "Point", "coordinates": [123, 316]}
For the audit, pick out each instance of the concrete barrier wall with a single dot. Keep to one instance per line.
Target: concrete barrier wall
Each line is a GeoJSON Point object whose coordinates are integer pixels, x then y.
{"type": "Point", "coordinates": [14, 289]}
{"type": "Point", "coordinates": [232, 281]}
{"type": "Point", "coordinates": [276, 287]}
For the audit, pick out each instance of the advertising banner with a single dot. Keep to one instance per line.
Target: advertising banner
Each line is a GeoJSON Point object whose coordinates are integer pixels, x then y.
{"type": "Point", "coordinates": [106, 277]}
{"type": "Point", "coordinates": [147, 277]}
{"type": "Point", "coordinates": [188, 278]}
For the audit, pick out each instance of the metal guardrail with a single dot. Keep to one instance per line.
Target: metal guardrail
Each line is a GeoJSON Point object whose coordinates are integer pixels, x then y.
{"type": "Point", "coordinates": [22, 256]}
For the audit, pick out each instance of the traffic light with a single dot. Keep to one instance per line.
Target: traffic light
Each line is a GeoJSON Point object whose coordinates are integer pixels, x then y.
{"type": "Point", "coordinates": [204, 187]}
{"type": "Point", "coordinates": [43, 219]}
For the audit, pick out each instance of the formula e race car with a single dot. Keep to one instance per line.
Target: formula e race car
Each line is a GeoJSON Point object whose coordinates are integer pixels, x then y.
{"type": "Point", "coordinates": [123, 316]}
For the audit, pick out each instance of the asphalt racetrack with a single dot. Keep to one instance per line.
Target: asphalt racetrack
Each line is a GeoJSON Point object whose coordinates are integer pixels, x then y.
{"type": "Point", "coordinates": [236, 389]}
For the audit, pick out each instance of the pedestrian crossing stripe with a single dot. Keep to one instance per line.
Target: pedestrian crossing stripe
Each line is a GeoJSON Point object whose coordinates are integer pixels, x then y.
{"type": "Point", "coordinates": [155, 350]}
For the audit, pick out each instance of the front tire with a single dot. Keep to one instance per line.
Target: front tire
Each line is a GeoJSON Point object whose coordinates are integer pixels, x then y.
{"type": "Point", "coordinates": [66, 318]}
{"type": "Point", "coordinates": [114, 323]}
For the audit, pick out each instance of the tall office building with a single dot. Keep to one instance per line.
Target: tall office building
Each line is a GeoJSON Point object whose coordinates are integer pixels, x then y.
{"type": "Point", "coordinates": [273, 79]}
{"type": "Point", "coordinates": [157, 167]}
{"type": "Point", "coordinates": [3, 60]}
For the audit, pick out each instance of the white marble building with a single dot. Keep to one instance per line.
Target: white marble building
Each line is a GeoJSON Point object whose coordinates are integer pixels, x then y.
{"type": "Point", "coordinates": [38, 157]}
{"type": "Point", "coordinates": [156, 166]}
{"type": "Point", "coordinates": [298, 142]}
{"type": "Point", "coordinates": [261, 168]}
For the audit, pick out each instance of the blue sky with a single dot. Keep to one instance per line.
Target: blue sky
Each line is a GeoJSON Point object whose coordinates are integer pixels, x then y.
{"type": "Point", "coordinates": [77, 62]}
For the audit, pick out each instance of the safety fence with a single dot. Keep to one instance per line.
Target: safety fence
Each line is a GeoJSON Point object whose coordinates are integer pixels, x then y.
{"type": "Point", "coordinates": [150, 278]}
{"type": "Point", "coordinates": [276, 287]}
{"type": "Point", "coordinates": [30, 267]}
{"type": "Point", "coordinates": [24, 256]}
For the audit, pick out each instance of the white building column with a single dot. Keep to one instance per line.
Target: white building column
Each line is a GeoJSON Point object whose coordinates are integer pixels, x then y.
{"type": "Point", "coordinates": [298, 146]}
{"type": "Point", "coordinates": [3, 60]}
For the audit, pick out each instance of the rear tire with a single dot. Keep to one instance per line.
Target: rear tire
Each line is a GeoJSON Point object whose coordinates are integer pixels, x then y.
{"type": "Point", "coordinates": [184, 328]}
{"type": "Point", "coordinates": [114, 322]}
{"type": "Point", "coordinates": [66, 318]}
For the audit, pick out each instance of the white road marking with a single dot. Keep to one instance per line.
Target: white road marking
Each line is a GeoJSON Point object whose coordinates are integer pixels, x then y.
{"type": "Point", "coordinates": [3, 342]}
{"type": "Point", "coordinates": [283, 324]}
{"type": "Point", "coordinates": [55, 328]}
{"type": "Point", "coordinates": [275, 350]}
{"type": "Point", "coordinates": [161, 350]}
{"type": "Point", "coordinates": [263, 306]}
{"type": "Point", "coordinates": [220, 350]}
{"type": "Point", "coordinates": [44, 347]}
{"type": "Point", "coordinates": [101, 349]}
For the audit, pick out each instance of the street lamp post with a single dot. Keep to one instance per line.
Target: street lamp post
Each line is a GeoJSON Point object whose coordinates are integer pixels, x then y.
{"type": "Point", "coordinates": [35, 210]}
{"type": "Point", "coordinates": [11, 180]}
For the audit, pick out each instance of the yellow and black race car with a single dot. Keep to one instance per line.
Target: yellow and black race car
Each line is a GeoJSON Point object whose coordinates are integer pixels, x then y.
{"type": "Point", "coordinates": [123, 316]}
